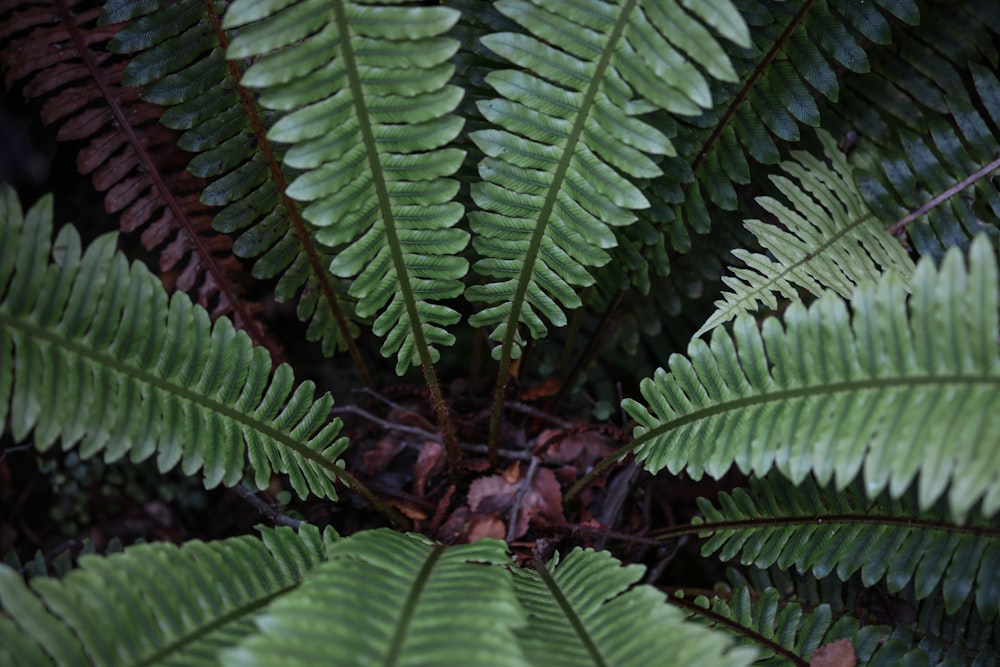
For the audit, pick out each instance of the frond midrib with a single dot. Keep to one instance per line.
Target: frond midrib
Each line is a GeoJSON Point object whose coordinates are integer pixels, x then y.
{"type": "Point", "coordinates": [780, 396]}
{"type": "Point", "coordinates": [558, 177]}
{"type": "Point", "coordinates": [379, 183]}
{"type": "Point", "coordinates": [570, 613]}
{"type": "Point", "coordinates": [410, 606]}
{"type": "Point", "coordinates": [231, 616]}
{"type": "Point", "coordinates": [893, 520]}
{"type": "Point", "coordinates": [35, 332]}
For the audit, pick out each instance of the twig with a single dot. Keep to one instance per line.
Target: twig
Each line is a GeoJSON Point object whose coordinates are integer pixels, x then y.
{"type": "Point", "coordinates": [426, 435]}
{"type": "Point", "coordinates": [540, 414]}
{"type": "Point", "coordinates": [383, 399]}
{"type": "Point", "coordinates": [519, 498]}
{"type": "Point", "coordinates": [947, 194]}
{"type": "Point", "coordinates": [265, 508]}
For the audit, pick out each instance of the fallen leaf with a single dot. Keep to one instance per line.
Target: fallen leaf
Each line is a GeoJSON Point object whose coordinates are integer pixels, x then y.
{"type": "Point", "coordinates": [579, 448]}
{"type": "Point", "coordinates": [379, 457]}
{"type": "Point", "coordinates": [430, 462]}
{"type": "Point", "coordinates": [839, 653]}
{"type": "Point", "coordinates": [495, 496]}
{"type": "Point", "coordinates": [481, 527]}
{"type": "Point", "coordinates": [512, 473]}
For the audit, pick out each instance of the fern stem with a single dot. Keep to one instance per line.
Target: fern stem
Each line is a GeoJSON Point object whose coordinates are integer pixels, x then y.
{"type": "Point", "coordinates": [294, 216]}
{"type": "Point", "coordinates": [392, 238]}
{"type": "Point", "coordinates": [901, 224]}
{"type": "Point", "coordinates": [548, 205]}
{"type": "Point", "coordinates": [676, 532]}
{"type": "Point", "coordinates": [228, 291]}
{"type": "Point", "coordinates": [748, 85]}
{"type": "Point", "coordinates": [735, 627]}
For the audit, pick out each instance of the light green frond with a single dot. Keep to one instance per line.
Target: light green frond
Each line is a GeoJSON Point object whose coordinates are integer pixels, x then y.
{"type": "Point", "coordinates": [569, 143]}
{"type": "Point", "coordinates": [93, 353]}
{"type": "Point", "coordinates": [897, 386]}
{"type": "Point", "coordinates": [155, 603]}
{"type": "Point", "coordinates": [824, 531]}
{"type": "Point", "coordinates": [364, 106]}
{"type": "Point", "coordinates": [589, 610]}
{"type": "Point", "coordinates": [826, 238]}
{"type": "Point", "coordinates": [385, 598]}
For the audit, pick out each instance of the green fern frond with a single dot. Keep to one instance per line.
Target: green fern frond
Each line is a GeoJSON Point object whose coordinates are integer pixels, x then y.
{"type": "Point", "coordinates": [222, 124]}
{"type": "Point", "coordinates": [154, 603]}
{"type": "Point", "coordinates": [588, 610]}
{"type": "Point", "coordinates": [821, 530]}
{"type": "Point", "coordinates": [797, 54]}
{"type": "Point", "coordinates": [829, 240]}
{"type": "Point", "coordinates": [897, 386]}
{"type": "Point", "coordinates": [787, 617]}
{"type": "Point", "coordinates": [926, 126]}
{"type": "Point", "coordinates": [562, 164]}
{"type": "Point", "coordinates": [361, 91]}
{"type": "Point", "coordinates": [94, 353]}
{"type": "Point", "coordinates": [781, 630]}
{"type": "Point", "coordinates": [385, 598]}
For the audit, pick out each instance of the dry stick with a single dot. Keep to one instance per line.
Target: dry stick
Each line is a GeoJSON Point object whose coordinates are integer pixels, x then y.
{"type": "Point", "coordinates": [944, 196]}
{"type": "Point", "coordinates": [277, 517]}
{"type": "Point", "coordinates": [427, 435]}
{"type": "Point", "coordinates": [519, 498]}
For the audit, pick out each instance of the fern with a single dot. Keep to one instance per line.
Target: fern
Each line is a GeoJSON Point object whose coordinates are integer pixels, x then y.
{"type": "Point", "coordinates": [574, 622]}
{"type": "Point", "coordinates": [823, 531]}
{"type": "Point", "coordinates": [558, 166]}
{"type": "Point", "coordinates": [124, 370]}
{"type": "Point", "coordinates": [823, 393]}
{"type": "Point", "coordinates": [831, 240]}
{"type": "Point", "coordinates": [367, 135]}
{"type": "Point", "coordinates": [154, 603]}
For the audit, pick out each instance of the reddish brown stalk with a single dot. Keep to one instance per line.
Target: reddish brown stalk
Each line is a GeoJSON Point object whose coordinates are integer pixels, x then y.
{"type": "Point", "coordinates": [901, 224]}
{"type": "Point", "coordinates": [294, 216]}
{"type": "Point", "coordinates": [225, 288]}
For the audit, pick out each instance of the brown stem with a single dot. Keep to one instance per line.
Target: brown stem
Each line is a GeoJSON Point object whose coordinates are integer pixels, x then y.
{"type": "Point", "coordinates": [900, 224]}
{"type": "Point", "coordinates": [316, 265]}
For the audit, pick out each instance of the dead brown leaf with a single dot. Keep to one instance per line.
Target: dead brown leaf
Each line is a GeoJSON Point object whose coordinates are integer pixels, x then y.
{"type": "Point", "coordinates": [839, 653]}
{"type": "Point", "coordinates": [495, 496]}
{"type": "Point", "coordinates": [430, 462]}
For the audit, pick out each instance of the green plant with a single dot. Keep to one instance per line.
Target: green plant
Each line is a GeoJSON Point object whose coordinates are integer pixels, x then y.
{"type": "Point", "coordinates": [365, 155]}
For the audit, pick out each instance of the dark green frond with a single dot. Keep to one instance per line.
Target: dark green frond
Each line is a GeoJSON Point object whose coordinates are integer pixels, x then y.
{"type": "Point", "coordinates": [824, 531]}
{"type": "Point", "coordinates": [569, 146]}
{"type": "Point", "coordinates": [588, 610]}
{"type": "Point", "coordinates": [385, 598]}
{"type": "Point", "coordinates": [927, 120]}
{"type": "Point", "coordinates": [798, 53]}
{"type": "Point", "coordinates": [361, 95]}
{"type": "Point", "coordinates": [826, 238]}
{"type": "Point", "coordinates": [93, 353]}
{"type": "Point", "coordinates": [154, 603]}
{"type": "Point", "coordinates": [223, 125]}
{"type": "Point", "coordinates": [896, 386]}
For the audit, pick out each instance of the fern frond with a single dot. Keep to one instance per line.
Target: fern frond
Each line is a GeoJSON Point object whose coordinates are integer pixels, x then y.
{"type": "Point", "coordinates": [779, 629]}
{"type": "Point", "coordinates": [925, 123]}
{"type": "Point", "coordinates": [798, 54]}
{"type": "Point", "coordinates": [821, 530]}
{"type": "Point", "coordinates": [562, 164]}
{"type": "Point", "coordinates": [220, 122]}
{"type": "Point", "coordinates": [365, 108]}
{"type": "Point", "coordinates": [155, 603]}
{"type": "Point", "coordinates": [897, 386]}
{"type": "Point", "coordinates": [56, 51]}
{"type": "Point", "coordinates": [94, 353]}
{"type": "Point", "coordinates": [391, 599]}
{"type": "Point", "coordinates": [775, 611]}
{"type": "Point", "coordinates": [588, 610]}
{"type": "Point", "coordinates": [830, 240]}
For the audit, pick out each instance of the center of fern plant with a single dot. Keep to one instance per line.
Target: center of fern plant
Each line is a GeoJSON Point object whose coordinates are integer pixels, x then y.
{"type": "Point", "coordinates": [734, 300]}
